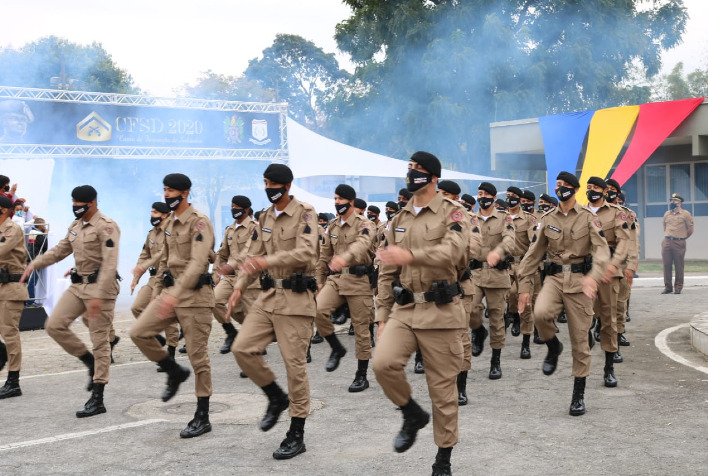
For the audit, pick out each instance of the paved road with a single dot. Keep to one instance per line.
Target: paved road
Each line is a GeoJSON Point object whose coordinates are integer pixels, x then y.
{"type": "Point", "coordinates": [654, 422]}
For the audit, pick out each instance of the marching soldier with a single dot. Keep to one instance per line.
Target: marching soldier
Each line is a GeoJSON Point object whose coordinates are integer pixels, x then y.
{"type": "Point", "coordinates": [13, 294]}
{"type": "Point", "coordinates": [419, 301]}
{"type": "Point", "coordinates": [678, 227]}
{"type": "Point", "coordinates": [185, 295]}
{"type": "Point", "coordinates": [492, 279]}
{"type": "Point", "coordinates": [285, 245]}
{"type": "Point", "coordinates": [93, 238]}
{"type": "Point", "coordinates": [149, 261]}
{"type": "Point", "coordinates": [577, 257]}
{"type": "Point", "coordinates": [528, 202]}
{"type": "Point", "coordinates": [342, 274]}
{"type": "Point", "coordinates": [468, 201]}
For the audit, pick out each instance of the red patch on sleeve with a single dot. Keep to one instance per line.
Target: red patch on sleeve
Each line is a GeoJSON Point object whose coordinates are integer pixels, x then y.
{"type": "Point", "coordinates": [457, 216]}
{"type": "Point", "coordinates": [8, 232]}
{"type": "Point", "coordinates": [474, 221]}
{"type": "Point", "coordinates": [200, 226]}
{"type": "Point", "coordinates": [623, 217]}
{"type": "Point", "coordinates": [597, 223]}
{"type": "Point", "coordinates": [108, 230]}
{"type": "Point", "coordinates": [508, 219]}
{"type": "Point", "coordinates": [306, 217]}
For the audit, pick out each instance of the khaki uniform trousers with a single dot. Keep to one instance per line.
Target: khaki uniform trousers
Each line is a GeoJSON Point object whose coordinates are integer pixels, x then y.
{"type": "Point", "coordinates": [222, 293]}
{"type": "Point", "coordinates": [443, 351]}
{"type": "Point", "coordinates": [293, 333]}
{"type": "Point", "coordinates": [361, 310]}
{"type": "Point", "coordinates": [141, 302]}
{"type": "Point", "coordinates": [622, 303]}
{"type": "Point", "coordinates": [65, 313]}
{"type": "Point", "coordinates": [578, 309]}
{"type": "Point", "coordinates": [606, 310]}
{"type": "Point", "coordinates": [466, 341]}
{"type": "Point", "coordinates": [496, 305]}
{"type": "Point", "coordinates": [672, 254]}
{"type": "Point", "coordinates": [196, 325]}
{"type": "Point", "coordinates": [10, 314]}
{"type": "Point", "coordinates": [527, 315]}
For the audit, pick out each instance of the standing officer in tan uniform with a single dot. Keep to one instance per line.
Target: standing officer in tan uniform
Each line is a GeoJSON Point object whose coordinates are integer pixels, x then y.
{"type": "Point", "coordinates": [342, 275]}
{"type": "Point", "coordinates": [678, 227]}
{"type": "Point", "coordinates": [13, 294]}
{"type": "Point", "coordinates": [93, 238]}
{"type": "Point", "coordinates": [285, 245]}
{"type": "Point", "coordinates": [615, 229]}
{"type": "Point", "coordinates": [149, 260]}
{"type": "Point", "coordinates": [185, 295]}
{"type": "Point", "coordinates": [419, 301]}
{"type": "Point", "coordinates": [232, 252]}
{"type": "Point", "coordinates": [491, 276]}
{"type": "Point", "coordinates": [577, 257]}
{"type": "Point", "coordinates": [525, 228]}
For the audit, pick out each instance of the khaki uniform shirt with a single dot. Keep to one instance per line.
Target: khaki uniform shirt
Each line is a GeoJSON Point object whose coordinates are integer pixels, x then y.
{"type": "Point", "coordinates": [474, 251]}
{"type": "Point", "coordinates": [437, 237]}
{"type": "Point", "coordinates": [615, 228]}
{"type": "Point", "coordinates": [152, 251]}
{"type": "Point", "coordinates": [187, 253]}
{"type": "Point", "coordinates": [524, 229]}
{"type": "Point", "coordinates": [677, 223]}
{"type": "Point", "coordinates": [353, 241]}
{"type": "Point", "coordinates": [567, 240]}
{"type": "Point", "coordinates": [95, 247]}
{"type": "Point", "coordinates": [289, 243]}
{"type": "Point", "coordinates": [235, 246]}
{"type": "Point", "coordinates": [634, 246]}
{"type": "Point", "coordinates": [497, 235]}
{"type": "Point", "coordinates": [13, 256]}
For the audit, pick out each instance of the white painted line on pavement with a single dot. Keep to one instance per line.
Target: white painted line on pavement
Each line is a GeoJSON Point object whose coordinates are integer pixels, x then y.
{"type": "Point", "coordinates": [81, 434]}
{"type": "Point", "coordinates": [663, 346]}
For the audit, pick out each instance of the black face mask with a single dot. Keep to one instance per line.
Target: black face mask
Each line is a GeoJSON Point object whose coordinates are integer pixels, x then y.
{"type": "Point", "coordinates": [155, 221]}
{"type": "Point", "coordinates": [323, 224]}
{"type": "Point", "coordinates": [565, 193]}
{"type": "Point", "coordinates": [512, 201]}
{"type": "Point", "coordinates": [402, 204]}
{"type": "Point", "coordinates": [275, 194]}
{"type": "Point", "coordinates": [467, 206]}
{"type": "Point", "coordinates": [173, 202]}
{"type": "Point", "coordinates": [79, 210]}
{"type": "Point", "coordinates": [485, 202]}
{"type": "Point", "coordinates": [342, 208]}
{"type": "Point", "coordinates": [389, 214]}
{"type": "Point", "coordinates": [593, 196]}
{"type": "Point", "coordinates": [237, 213]}
{"type": "Point", "coordinates": [527, 207]}
{"type": "Point", "coordinates": [673, 206]}
{"type": "Point", "coordinates": [371, 216]}
{"type": "Point", "coordinates": [7, 188]}
{"type": "Point", "coordinates": [611, 196]}
{"type": "Point", "coordinates": [415, 180]}
{"type": "Point", "coordinates": [544, 208]}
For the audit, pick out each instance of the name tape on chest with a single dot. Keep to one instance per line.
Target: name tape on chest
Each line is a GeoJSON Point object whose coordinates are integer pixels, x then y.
{"type": "Point", "coordinates": [399, 229]}
{"type": "Point", "coordinates": [72, 232]}
{"type": "Point", "coordinates": [266, 230]}
{"type": "Point", "coordinates": [551, 227]}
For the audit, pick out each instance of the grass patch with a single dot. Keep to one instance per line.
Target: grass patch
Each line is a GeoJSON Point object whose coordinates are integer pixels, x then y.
{"type": "Point", "coordinates": [654, 266]}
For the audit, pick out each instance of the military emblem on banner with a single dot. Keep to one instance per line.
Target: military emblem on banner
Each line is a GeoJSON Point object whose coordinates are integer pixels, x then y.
{"type": "Point", "coordinates": [93, 128]}
{"type": "Point", "coordinates": [259, 131]}
{"type": "Point", "coordinates": [233, 129]}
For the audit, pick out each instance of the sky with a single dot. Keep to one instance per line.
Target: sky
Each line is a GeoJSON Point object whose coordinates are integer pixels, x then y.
{"type": "Point", "coordinates": [165, 44]}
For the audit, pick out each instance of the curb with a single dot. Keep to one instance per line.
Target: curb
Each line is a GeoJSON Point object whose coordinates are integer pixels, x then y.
{"type": "Point", "coordinates": [698, 330]}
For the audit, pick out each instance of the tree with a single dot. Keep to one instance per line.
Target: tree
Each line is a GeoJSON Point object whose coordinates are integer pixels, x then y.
{"type": "Point", "coordinates": [676, 85]}
{"type": "Point", "coordinates": [300, 73]}
{"type": "Point", "coordinates": [89, 68]}
{"type": "Point", "coordinates": [437, 72]}
{"type": "Point", "coordinates": [228, 88]}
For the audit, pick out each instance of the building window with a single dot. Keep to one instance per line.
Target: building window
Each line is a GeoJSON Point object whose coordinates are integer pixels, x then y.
{"type": "Point", "coordinates": [700, 181]}
{"type": "Point", "coordinates": [656, 184]}
{"type": "Point", "coordinates": [680, 178]}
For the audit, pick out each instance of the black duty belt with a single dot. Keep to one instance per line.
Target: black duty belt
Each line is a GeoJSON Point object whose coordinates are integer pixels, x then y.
{"type": "Point", "coordinates": [671, 238]}
{"type": "Point", "coordinates": [6, 277]}
{"type": "Point", "coordinates": [516, 259]}
{"type": "Point", "coordinates": [77, 278]}
{"type": "Point", "coordinates": [297, 283]}
{"type": "Point", "coordinates": [359, 270]}
{"type": "Point", "coordinates": [501, 266]}
{"type": "Point", "coordinates": [441, 293]}
{"type": "Point", "coordinates": [168, 280]}
{"type": "Point", "coordinates": [551, 268]}
{"type": "Point", "coordinates": [466, 275]}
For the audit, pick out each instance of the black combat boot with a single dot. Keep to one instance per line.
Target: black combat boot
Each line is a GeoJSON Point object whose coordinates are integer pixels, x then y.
{"type": "Point", "coordinates": [183, 349]}
{"type": "Point", "coordinates": [12, 385]}
{"type": "Point", "coordinates": [598, 330]}
{"type": "Point", "coordinates": [418, 366]}
{"type": "Point", "coordinates": [317, 338]}
{"type": "Point", "coordinates": [360, 382]}
{"type": "Point", "coordinates": [170, 350]}
{"type": "Point", "coordinates": [618, 359]}
{"type": "Point", "coordinates": [3, 355]}
{"type": "Point", "coordinates": [610, 380]}
{"type": "Point", "coordinates": [414, 418]}
{"type": "Point", "coordinates": [231, 333]}
{"type": "Point", "coordinates": [351, 329]}
{"type": "Point", "coordinates": [516, 324]}
{"type": "Point", "coordinates": [87, 359]}
{"type": "Point", "coordinates": [200, 423]}
{"type": "Point", "coordinates": [176, 374]}
{"type": "Point", "coordinates": [622, 340]}
{"type": "Point", "coordinates": [95, 404]}
{"type": "Point", "coordinates": [525, 347]}
{"type": "Point", "coordinates": [338, 351]}
{"type": "Point", "coordinates": [294, 442]}
{"type": "Point", "coordinates": [278, 402]}
{"type": "Point", "coordinates": [113, 343]}
{"type": "Point", "coordinates": [442, 466]}
{"type": "Point", "coordinates": [555, 348]}
{"type": "Point", "coordinates": [495, 372]}
{"type": "Point", "coordinates": [577, 403]}
{"type": "Point", "coordinates": [462, 388]}
{"type": "Point", "coordinates": [562, 318]}
{"type": "Point", "coordinates": [478, 337]}
{"type": "Point", "coordinates": [536, 338]}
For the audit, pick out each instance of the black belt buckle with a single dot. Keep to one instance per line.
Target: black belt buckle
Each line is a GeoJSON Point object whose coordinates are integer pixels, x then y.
{"type": "Point", "coordinates": [92, 278]}
{"type": "Point", "coordinates": [204, 279]}
{"type": "Point", "coordinates": [75, 277]}
{"type": "Point", "coordinates": [167, 279]}
{"type": "Point", "coordinates": [442, 293]}
{"type": "Point", "coordinates": [266, 280]}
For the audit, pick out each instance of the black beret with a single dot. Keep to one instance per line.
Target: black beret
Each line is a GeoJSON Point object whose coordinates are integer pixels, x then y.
{"type": "Point", "coordinates": [345, 191]}
{"type": "Point", "coordinates": [529, 195]}
{"type": "Point", "coordinates": [515, 190]}
{"type": "Point", "coordinates": [428, 161]}
{"type": "Point", "coordinates": [553, 200]}
{"type": "Point", "coordinates": [614, 183]}
{"type": "Point", "coordinates": [545, 197]}
{"type": "Point", "coordinates": [374, 209]}
{"type": "Point", "coordinates": [322, 216]}
{"type": "Point", "coordinates": [488, 187]}
{"type": "Point", "coordinates": [677, 197]}
{"type": "Point", "coordinates": [405, 193]}
{"type": "Point", "coordinates": [501, 203]}
{"type": "Point", "coordinates": [177, 181]}
{"type": "Point", "coordinates": [278, 173]}
{"type": "Point", "coordinates": [469, 199]}
{"type": "Point", "coordinates": [241, 201]}
{"type": "Point", "coordinates": [597, 181]}
{"type": "Point", "coordinates": [359, 203]}
{"type": "Point", "coordinates": [570, 178]}
{"type": "Point", "coordinates": [449, 186]}
{"type": "Point", "coordinates": [161, 207]}
{"type": "Point", "coordinates": [621, 197]}
{"type": "Point", "coordinates": [257, 215]}
{"type": "Point", "coordinates": [84, 193]}
{"type": "Point", "coordinates": [4, 180]}
{"type": "Point", "coordinates": [5, 202]}
{"type": "Point", "coordinates": [392, 205]}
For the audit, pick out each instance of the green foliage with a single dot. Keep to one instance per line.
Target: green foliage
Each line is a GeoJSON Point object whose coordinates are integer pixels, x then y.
{"type": "Point", "coordinates": [677, 85]}
{"type": "Point", "coordinates": [228, 88]}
